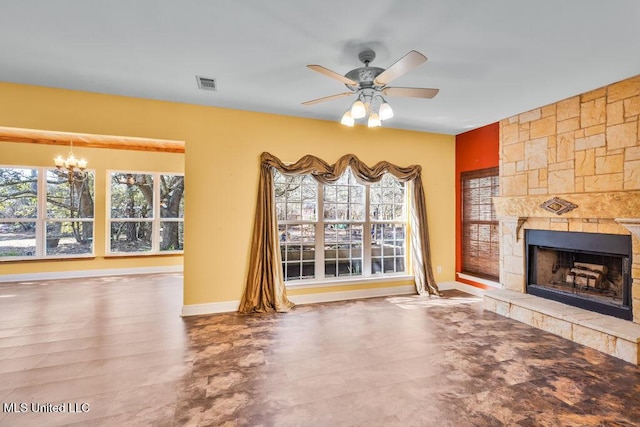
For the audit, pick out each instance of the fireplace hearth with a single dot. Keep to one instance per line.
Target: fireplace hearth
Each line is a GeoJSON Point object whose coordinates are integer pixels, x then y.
{"type": "Point", "coordinates": [586, 270]}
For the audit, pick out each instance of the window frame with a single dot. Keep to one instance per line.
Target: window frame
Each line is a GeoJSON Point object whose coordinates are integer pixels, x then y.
{"type": "Point", "coordinates": [367, 222]}
{"type": "Point", "coordinates": [493, 173]}
{"type": "Point", "coordinates": [42, 219]}
{"type": "Point", "coordinates": [156, 220]}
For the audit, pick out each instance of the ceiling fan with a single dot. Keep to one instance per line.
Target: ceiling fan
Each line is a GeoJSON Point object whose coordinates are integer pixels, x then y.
{"type": "Point", "coordinates": [370, 84]}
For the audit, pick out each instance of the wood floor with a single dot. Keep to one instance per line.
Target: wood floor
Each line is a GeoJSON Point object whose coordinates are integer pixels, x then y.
{"type": "Point", "coordinates": [115, 352]}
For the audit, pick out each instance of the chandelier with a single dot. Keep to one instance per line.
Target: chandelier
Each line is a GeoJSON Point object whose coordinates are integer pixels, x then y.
{"type": "Point", "coordinates": [369, 104]}
{"type": "Point", "coordinates": [71, 164]}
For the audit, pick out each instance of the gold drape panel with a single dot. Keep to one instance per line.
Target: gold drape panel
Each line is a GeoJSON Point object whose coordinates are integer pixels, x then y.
{"type": "Point", "coordinates": [265, 290]}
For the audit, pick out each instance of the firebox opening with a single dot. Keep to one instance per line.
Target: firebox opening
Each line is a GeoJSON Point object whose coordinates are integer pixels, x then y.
{"type": "Point", "coordinates": [586, 270]}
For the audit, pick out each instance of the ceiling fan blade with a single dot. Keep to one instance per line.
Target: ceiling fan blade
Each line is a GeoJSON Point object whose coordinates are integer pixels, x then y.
{"type": "Point", "coordinates": [405, 64]}
{"type": "Point", "coordinates": [327, 98]}
{"type": "Point", "coordinates": [327, 72]}
{"type": "Point", "coordinates": [411, 92]}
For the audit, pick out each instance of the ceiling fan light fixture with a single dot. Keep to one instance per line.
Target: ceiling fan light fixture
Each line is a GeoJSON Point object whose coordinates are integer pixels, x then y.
{"type": "Point", "coordinates": [385, 112]}
{"type": "Point", "coordinates": [347, 119]}
{"type": "Point", "coordinates": [358, 110]}
{"type": "Point", "coordinates": [374, 120]}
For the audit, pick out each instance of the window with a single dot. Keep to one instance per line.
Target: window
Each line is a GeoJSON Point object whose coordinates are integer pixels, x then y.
{"type": "Point", "coordinates": [44, 215]}
{"type": "Point", "coordinates": [146, 213]}
{"type": "Point", "coordinates": [344, 229]}
{"type": "Point", "coordinates": [480, 240]}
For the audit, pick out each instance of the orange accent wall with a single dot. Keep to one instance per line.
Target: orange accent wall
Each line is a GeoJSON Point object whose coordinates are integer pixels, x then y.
{"type": "Point", "coordinates": [476, 149]}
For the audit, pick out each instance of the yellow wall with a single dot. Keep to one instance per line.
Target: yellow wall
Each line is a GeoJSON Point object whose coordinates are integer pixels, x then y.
{"type": "Point", "coordinates": [222, 162]}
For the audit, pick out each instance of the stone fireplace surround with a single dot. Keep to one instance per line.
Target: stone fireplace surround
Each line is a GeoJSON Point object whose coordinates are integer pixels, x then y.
{"type": "Point", "coordinates": [611, 213]}
{"type": "Point", "coordinates": [585, 150]}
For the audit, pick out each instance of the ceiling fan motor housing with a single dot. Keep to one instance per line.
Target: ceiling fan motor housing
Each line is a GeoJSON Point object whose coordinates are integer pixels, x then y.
{"type": "Point", "coordinates": [364, 76]}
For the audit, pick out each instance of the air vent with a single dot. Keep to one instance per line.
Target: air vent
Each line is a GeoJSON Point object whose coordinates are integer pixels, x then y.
{"type": "Point", "coordinates": [206, 83]}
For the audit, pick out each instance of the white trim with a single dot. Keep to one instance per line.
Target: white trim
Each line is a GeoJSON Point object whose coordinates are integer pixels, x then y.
{"type": "Point", "coordinates": [350, 281]}
{"type": "Point", "coordinates": [229, 306]}
{"type": "Point", "coordinates": [355, 294]}
{"type": "Point", "coordinates": [210, 308]}
{"type": "Point", "coordinates": [463, 287]}
{"type": "Point", "coordinates": [485, 282]}
{"type": "Point", "coordinates": [27, 277]}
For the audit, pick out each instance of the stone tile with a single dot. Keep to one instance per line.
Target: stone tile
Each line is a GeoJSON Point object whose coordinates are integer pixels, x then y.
{"type": "Point", "coordinates": [609, 164]}
{"type": "Point", "coordinates": [543, 127]}
{"type": "Point", "coordinates": [509, 168]}
{"type": "Point", "coordinates": [624, 89]}
{"type": "Point", "coordinates": [530, 116]}
{"type": "Point", "coordinates": [632, 107]}
{"type": "Point", "coordinates": [561, 181]}
{"type": "Point", "coordinates": [622, 135]}
{"type": "Point", "coordinates": [593, 112]}
{"type": "Point", "coordinates": [595, 130]}
{"type": "Point", "coordinates": [594, 94]}
{"type": "Point", "coordinates": [568, 108]}
{"type": "Point", "coordinates": [585, 162]}
{"type": "Point", "coordinates": [568, 125]}
{"type": "Point", "coordinates": [632, 153]}
{"type": "Point", "coordinates": [593, 141]}
{"type": "Point", "coordinates": [615, 113]}
{"type": "Point", "coordinates": [610, 182]}
{"type": "Point", "coordinates": [548, 110]}
{"type": "Point", "coordinates": [513, 152]}
{"type": "Point", "coordinates": [514, 185]}
{"type": "Point", "coordinates": [632, 175]}
{"type": "Point", "coordinates": [509, 134]}
{"type": "Point", "coordinates": [535, 153]}
{"type": "Point", "coordinates": [566, 147]}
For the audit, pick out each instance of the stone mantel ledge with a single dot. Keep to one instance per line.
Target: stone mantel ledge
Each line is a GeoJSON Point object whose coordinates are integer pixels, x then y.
{"type": "Point", "coordinates": [631, 224]}
{"type": "Point", "coordinates": [623, 205]}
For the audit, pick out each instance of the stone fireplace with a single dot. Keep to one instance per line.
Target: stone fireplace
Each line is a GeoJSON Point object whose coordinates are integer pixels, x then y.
{"type": "Point", "coordinates": [574, 167]}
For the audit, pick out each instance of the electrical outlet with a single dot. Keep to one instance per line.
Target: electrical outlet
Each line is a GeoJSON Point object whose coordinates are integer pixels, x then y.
{"type": "Point", "coordinates": [439, 269]}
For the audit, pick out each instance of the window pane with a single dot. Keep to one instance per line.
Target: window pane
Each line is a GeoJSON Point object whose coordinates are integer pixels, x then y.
{"type": "Point", "coordinates": [17, 239]}
{"type": "Point", "coordinates": [171, 196]}
{"type": "Point", "coordinates": [344, 243]}
{"type": "Point", "coordinates": [297, 250]}
{"type": "Point", "coordinates": [130, 236]}
{"type": "Point", "coordinates": [69, 200]}
{"type": "Point", "coordinates": [387, 248]}
{"type": "Point", "coordinates": [172, 236]}
{"type": "Point", "coordinates": [69, 237]}
{"type": "Point", "coordinates": [344, 201]}
{"type": "Point", "coordinates": [18, 193]}
{"type": "Point", "coordinates": [295, 197]}
{"type": "Point", "coordinates": [131, 195]}
{"type": "Point", "coordinates": [387, 200]}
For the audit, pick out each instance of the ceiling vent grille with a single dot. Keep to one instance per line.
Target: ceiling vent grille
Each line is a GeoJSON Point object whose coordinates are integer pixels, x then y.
{"type": "Point", "coordinates": [205, 83]}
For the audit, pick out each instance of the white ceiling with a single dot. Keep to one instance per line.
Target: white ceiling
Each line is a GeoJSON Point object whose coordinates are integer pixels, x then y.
{"type": "Point", "coordinates": [490, 59]}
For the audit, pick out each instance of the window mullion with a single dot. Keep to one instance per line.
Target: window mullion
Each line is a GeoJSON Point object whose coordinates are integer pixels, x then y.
{"type": "Point", "coordinates": [319, 259]}
{"type": "Point", "coordinates": [155, 225]}
{"type": "Point", "coordinates": [366, 234]}
{"type": "Point", "coordinates": [41, 230]}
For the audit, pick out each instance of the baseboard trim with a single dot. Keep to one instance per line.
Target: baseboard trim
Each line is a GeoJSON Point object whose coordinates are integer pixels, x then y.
{"type": "Point", "coordinates": [463, 287]}
{"type": "Point", "coordinates": [210, 308]}
{"type": "Point", "coordinates": [75, 274]}
{"type": "Point", "coordinates": [355, 294]}
{"type": "Point", "coordinates": [230, 306]}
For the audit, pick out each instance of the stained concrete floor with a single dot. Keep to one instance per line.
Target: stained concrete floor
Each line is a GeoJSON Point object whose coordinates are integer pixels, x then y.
{"type": "Point", "coordinates": [119, 345]}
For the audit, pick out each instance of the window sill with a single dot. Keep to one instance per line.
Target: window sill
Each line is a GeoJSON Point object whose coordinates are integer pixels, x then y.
{"type": "Point", "coordinates": [480, 280]}
{"type": "Point", "coordinates": [142, 254]}
{"type": "Point", "coordinates": [49, 258]}
{"type": "Point", "coordinates": [304, 284]}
